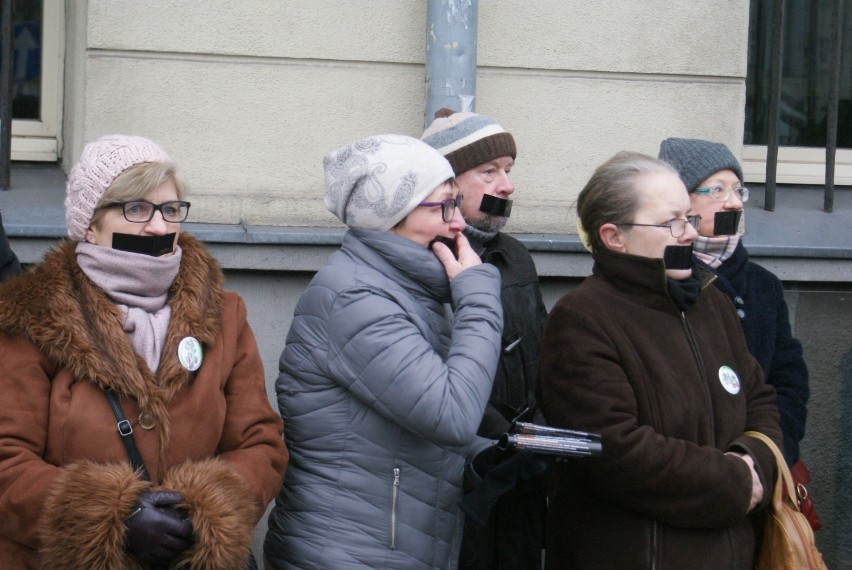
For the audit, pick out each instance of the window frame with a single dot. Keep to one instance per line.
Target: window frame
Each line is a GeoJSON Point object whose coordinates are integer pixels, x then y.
{"type": "Point", "coordinates": [38, 140]}
{"type": "Point", "coordinates": [797, 165]}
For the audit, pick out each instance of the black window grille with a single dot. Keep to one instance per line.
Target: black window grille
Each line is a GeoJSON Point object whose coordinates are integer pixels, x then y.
{"type": "Point", "coordinates": [799, 83]}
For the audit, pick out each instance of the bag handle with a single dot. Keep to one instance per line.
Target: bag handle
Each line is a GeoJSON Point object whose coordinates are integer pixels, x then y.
{"type": "Point", "coordinates": [785, 479]}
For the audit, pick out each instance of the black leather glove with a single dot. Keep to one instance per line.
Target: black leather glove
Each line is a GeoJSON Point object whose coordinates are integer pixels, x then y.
{"type": "Point", "coordinates": [156, 532]}
{"type": "Point", "coordinates": [500, 471]}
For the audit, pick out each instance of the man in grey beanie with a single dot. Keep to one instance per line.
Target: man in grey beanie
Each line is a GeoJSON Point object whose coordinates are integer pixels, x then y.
{"type": "Point", "coordinates": [482, 155]}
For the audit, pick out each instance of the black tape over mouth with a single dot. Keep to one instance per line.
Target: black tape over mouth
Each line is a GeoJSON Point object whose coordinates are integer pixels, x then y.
{"type": "Point", "coordinates": [494, 206]}
{"type": "Point", "coordinates": [154, 246]}
{"type": "Point", "coordinates": [678, 256]}
{"type": "Point", "coordinates": [727, 223]}
{"type": "Point", "coordinates": [447, 241]}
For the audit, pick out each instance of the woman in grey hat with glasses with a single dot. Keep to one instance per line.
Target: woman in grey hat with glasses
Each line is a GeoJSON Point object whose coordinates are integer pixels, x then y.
{"type": "Point", "coordinates": [714, 179]}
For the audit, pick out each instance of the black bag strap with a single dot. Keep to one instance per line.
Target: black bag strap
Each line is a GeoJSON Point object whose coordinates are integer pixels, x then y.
{"type": "Point", "coordinates": [125, 430]}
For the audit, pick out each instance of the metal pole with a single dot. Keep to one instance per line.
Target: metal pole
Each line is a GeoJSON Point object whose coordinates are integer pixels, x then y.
{"type": "Point", "coordinates": [451, 27]}
{"type": "Point", "coordinates": [5, 93]}
{"type": "Point", "coordinates": [776, 69]}
{"type": "Point", "coordinates": [833, 103]}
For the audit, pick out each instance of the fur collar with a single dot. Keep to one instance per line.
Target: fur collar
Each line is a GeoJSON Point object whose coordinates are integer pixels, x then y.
{"type": "Point", "coordinates": [76, 326]}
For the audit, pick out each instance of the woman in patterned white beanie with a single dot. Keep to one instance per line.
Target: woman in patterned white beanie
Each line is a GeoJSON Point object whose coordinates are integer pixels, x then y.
{"type": "Point", "coordinates": [380, 390]}
{"type": "Point", "coordinates": [126, 325]}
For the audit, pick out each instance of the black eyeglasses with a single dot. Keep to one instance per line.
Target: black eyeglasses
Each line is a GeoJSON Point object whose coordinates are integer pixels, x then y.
{"type": "Point", "coordinates": [448, 206]}
{"type": "Point", "coordinates": [142, 211]}
{"type": "Point", "coordinates": [676, 226]}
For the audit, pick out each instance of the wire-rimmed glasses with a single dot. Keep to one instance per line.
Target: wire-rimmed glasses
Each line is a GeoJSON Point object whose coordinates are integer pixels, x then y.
{"type": "Point", "coordinates": [677, 226]}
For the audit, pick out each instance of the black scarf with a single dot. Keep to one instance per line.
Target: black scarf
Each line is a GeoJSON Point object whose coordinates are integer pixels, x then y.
{"type": "Point", "coordinates": [684, 293]}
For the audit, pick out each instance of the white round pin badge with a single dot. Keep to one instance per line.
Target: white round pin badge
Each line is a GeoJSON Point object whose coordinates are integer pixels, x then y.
{"type": "Point", "coordinates": [729, 379]}
{"type": "Point", "coordinates": [190, 353]}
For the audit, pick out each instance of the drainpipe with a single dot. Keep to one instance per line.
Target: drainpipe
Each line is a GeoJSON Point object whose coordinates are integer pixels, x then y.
{"type": "Point", "coordinates": [450, 56]}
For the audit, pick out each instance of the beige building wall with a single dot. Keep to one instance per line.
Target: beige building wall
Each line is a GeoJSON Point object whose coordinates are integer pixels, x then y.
{"type": "Point", "coordinates": [248, 96]}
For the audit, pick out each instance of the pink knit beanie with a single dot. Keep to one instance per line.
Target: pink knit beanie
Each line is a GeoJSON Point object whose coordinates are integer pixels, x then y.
{"type": "Point", "coordinates": [99, 165]}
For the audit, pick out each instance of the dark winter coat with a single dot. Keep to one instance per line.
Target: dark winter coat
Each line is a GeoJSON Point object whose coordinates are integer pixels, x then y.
{"type": "Point", "coordinates": [514, 536]}
{"type": "Point", "coordinates": [382, 391]}
{"type": "Point", "coordinates": [759, 299]}
{"type": "Point", "coordinates": [524, 315]}
{"type": "Point", "coordinates": [620, 359]}
{"type": "Point", "coordinates": [66, 485]}
{"type": "Point", "coordinates": [9, 265]}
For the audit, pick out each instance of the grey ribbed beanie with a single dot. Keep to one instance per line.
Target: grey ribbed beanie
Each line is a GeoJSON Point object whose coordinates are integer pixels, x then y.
{"type": "Point", "coordinates": [696, 159]}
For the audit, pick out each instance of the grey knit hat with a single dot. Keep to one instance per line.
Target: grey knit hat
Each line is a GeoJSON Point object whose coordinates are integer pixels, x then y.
{"type": "Point", "coordinates": [696, 159]}
{"type": "Point", "coordinates": [375, 182]}
{"type": "Point", "coordinates": [468, 139]}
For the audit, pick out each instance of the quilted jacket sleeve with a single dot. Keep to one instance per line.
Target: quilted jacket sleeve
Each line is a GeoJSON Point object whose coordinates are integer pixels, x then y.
{"type": "Point", "coordinates": [377, 353]}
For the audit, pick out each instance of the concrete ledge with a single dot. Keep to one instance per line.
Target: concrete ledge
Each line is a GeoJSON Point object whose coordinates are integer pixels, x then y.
{"type": "Point", "coordinates": [798, 242]}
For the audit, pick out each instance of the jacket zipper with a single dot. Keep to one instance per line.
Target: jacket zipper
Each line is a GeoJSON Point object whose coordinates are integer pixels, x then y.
{"type": "Point", "coordinates": [690, 336]}
{"type": "Point", "coordinates": [654, 545]}
{"type": "Point", "coordinates": [394, 497]}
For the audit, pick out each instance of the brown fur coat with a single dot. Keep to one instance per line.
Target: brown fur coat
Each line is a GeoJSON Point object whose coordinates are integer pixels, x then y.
{"type": "Point", "coordinates": [65, 482]}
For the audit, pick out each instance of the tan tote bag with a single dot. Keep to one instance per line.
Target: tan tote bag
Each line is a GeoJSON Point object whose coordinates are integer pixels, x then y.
{"type": "Point", "coordinates": [788, 540]}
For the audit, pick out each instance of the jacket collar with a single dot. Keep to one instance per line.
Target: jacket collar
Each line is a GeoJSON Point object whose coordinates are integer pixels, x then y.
{"type": "Point", "coordinates": [636, 275]}
{"type": "Point", "coordinates": [735, 265]}
{"type": "Point", "coordinates": [408, 263]}
{"type": "Point", "coordinates": [74, 324]}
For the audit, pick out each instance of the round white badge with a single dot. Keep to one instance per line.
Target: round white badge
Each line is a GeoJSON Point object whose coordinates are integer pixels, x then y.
{"type": "Point", "coordinates": [729, 379]}
{"type": "Point", "coordinates": [190, 353]}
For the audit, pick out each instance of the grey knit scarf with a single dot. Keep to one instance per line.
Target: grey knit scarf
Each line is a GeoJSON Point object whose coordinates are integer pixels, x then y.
{"type": "Point", "coordinates": [478, 238]}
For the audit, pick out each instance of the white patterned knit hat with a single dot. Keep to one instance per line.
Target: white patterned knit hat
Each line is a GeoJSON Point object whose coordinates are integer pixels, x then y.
{"type": "Point", "coordinates": [99, 165]}
{"type": "Point", "coordinates": [375, 182]}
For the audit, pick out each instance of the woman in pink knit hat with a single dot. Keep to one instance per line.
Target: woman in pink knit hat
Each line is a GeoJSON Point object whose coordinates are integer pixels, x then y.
{"type": "Point", "coordinates": [139, 434]}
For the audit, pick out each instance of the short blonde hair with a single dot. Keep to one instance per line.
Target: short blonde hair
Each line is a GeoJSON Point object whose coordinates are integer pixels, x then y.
{"type": "Point", "coordinates": [137, 182]}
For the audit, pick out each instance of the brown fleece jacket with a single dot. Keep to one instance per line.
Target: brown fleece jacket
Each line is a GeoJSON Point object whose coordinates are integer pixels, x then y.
{"type": "Point", "coordinates": [620, 359]}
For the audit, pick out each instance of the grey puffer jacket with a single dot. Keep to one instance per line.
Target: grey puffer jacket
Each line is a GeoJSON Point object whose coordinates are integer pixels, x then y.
{"type": "Point", "coordinates": [381, 394]}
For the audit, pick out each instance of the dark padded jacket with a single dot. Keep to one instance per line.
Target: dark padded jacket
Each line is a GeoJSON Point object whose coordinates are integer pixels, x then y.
{"type": "Point", "coordinates": [514, 536]}
{"type": "Point", "coordinates": [759, 299]}
{"type": "Point", "coordinates": [9, 265]}
{"type": "Point", "coordinates": [524, 315]}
